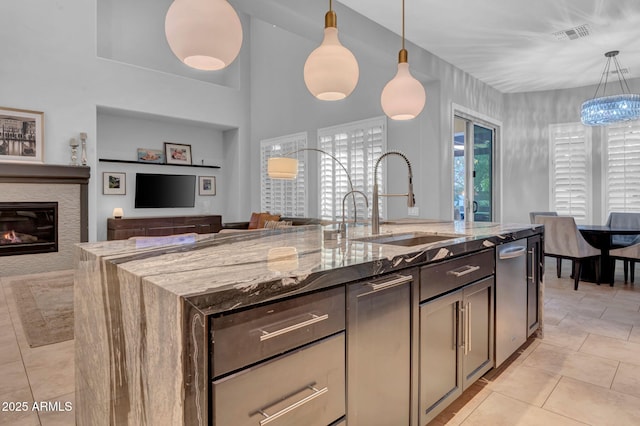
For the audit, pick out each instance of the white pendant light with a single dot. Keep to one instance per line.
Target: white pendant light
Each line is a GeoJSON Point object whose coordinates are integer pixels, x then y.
{"type": "Point", "coordinates": [204, 34]}
{"type": "Point", "coordinates": [403, 97]}
{"type": "Point", "coordinates": [331, 71]}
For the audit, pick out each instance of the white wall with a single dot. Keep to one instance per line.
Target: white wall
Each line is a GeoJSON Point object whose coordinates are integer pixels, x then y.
{"type": "Point", "coordinates": [526, 144]}
{"type": "Point", "coordinates": [59, 63]}
{"type": "Point", "coordinates": [50, 64]}
{"type": "Point", "coordinates": [282, 38]}
{"type": "Point", "coordinates": [120, 134]}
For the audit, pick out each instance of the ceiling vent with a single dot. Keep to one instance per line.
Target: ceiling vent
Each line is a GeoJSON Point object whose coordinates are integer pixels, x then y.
{"type": "Point", "coordinates": [573, 33]}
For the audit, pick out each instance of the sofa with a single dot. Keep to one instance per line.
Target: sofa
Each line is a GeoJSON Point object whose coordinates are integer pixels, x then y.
{"type": "Point", "coordinates": [266, 220]}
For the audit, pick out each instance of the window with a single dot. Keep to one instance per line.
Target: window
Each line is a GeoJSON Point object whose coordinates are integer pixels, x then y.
{"type": "Point", "coordinates": [280, 196]}
{"type": "Point", "coordinates": [570, 171]}
{"type": "Point", "coordinates": [621, 168]}
{"type": "Point", "coordinates": [357, 146]}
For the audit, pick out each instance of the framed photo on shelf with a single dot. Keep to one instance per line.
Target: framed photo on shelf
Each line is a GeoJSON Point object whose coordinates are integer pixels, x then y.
{"type": "Point", "coordinates": [21, 135]}
{"type": "Point", "coordinates": [114, 183]}
{"type": "Point", "coordinates": [150, 156]}
{"type": "Point", "coordinates": [177, 153]}
{"type": "Point", "coordinates": [206, 185]}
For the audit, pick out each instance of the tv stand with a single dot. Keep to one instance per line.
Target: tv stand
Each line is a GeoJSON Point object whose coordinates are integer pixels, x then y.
{"type": "Point", "coordinates": [121, 229]}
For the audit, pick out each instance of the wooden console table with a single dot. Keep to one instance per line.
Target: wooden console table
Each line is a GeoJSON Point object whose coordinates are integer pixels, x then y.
{"type": "Point", "coordinates": [121, 229]}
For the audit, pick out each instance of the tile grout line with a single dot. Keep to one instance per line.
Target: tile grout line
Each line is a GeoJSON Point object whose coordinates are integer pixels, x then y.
{"type": "Point", "coordinates": [15, 335]}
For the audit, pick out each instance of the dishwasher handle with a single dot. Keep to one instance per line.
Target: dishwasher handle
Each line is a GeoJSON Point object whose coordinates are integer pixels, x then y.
{"type": "Point", "coordinates": [511, 252]}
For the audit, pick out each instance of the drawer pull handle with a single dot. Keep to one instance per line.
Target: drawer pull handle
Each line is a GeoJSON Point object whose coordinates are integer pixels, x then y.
{"type": "Point", "coordinates": [269, 418]}
{"type": "Point", "coordinates": [314, 319]}
{"type": "Point", "coordinates": [462, 271]}
{"type": "Point", "coordinates": [394, 281]}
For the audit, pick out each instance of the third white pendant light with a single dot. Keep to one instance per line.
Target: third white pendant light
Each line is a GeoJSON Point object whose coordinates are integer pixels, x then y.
{"type": "Point", "coordinates": [331, 71]}
{"type": "Point", "coordinates": [204, 34]}
{"type": "Point", "coordinates": [403, 97]}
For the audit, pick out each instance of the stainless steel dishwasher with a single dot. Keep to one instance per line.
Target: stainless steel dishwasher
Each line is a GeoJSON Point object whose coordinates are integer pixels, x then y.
{"type": "Point", "coordinates": [511, 298]}
{"type": "Point", "coordinates": [379, 351]}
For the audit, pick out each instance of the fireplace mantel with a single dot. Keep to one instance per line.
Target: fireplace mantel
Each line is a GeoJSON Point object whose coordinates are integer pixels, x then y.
{"type": "Point", "coordinates": [36, 173]}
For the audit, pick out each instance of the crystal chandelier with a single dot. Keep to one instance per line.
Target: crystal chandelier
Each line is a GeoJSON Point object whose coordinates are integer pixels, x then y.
{"type": "Point", "coordinates": [604, 110]}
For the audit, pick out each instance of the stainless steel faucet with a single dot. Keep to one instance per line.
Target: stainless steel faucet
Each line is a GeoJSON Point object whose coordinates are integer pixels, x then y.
{"type": "Point", "coordinates": [411, 200]}
{"type": "Point", "coordinates": [343, 225]}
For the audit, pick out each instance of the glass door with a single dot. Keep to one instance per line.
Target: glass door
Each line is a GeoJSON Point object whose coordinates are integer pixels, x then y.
{"type": "Point", "coordinates": [473, 146]}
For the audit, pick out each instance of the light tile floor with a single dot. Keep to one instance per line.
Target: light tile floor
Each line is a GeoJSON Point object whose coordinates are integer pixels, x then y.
{"type": "Point", "coordinates": [585, 371]}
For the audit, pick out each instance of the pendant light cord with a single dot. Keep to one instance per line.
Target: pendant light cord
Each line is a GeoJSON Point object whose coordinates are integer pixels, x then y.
{"type": "Point", "coordinates": [402, 24]}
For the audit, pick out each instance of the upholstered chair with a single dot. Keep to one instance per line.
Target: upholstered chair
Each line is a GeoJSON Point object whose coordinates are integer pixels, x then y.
{"type": "Point", "coordinates": [532, 215]}
{"type": "Point", "coordinates": [629, 253]}
{"type": "Point", "coordinates": [563, 240]}
{"type": "Point", "coordinates": [622, 220]}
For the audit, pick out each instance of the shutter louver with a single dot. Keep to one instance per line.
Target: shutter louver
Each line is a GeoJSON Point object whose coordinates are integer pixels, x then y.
{"type": "Point", "coordinates": [280, 196]}
{"type": "Point", "coordinates": [570, 171]}
{"type": "Point", "coordinates": [623, 168]}
{"type": "Point", "coordinates": [357, 145]}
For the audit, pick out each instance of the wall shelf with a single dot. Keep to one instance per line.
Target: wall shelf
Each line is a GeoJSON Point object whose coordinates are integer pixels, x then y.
{"type": "Point", "coordinates": [108, 160]}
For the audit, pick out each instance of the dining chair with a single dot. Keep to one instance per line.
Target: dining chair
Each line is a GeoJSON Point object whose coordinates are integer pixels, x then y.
{"type": "Point", "coordinates": [532, 215]}
{"type": "Point", "coordinates": [625, 220]}
{"type": "Point", "coordinates": [563, 240]}
{"type": "Point", "coordinates": [630, 254]}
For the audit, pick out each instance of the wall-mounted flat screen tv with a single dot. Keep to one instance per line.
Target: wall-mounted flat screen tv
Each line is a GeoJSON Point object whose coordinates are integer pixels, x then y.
{"type": "Point", "coordinates": [159, 191]}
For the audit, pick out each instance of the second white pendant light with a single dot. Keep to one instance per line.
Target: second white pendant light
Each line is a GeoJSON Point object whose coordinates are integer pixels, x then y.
{"type": "Point", "coordinates": [331, 71]}
{"type": "Point", "coordinates": [403, 97]}
{"type": "Point", "coordinates": [204, 34]}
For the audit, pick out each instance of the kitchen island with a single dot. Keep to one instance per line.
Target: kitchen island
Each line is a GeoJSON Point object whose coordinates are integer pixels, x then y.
{"type": "Point", "coordinates": [158, 319]}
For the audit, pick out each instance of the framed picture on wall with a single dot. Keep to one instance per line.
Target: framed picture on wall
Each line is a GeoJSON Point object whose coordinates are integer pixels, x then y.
{"type": "Point", "coordinates": [21, 135]}
{"type": "Point", "coordinates": [146, 155]}
{"type": "Point", "coordinates": [206, 185]}
{"type": "Point", "coordinates": [114, 183]}
{"type": "Point", "coordinates": [177, 153]}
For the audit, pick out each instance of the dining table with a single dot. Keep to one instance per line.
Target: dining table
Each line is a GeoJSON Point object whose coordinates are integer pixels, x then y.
{"type": "Point", "coordinates": [600, 237]}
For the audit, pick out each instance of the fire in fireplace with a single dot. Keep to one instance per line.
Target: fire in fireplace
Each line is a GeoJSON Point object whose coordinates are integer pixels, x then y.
{"type": "Point", "coordinates": [27, 228]}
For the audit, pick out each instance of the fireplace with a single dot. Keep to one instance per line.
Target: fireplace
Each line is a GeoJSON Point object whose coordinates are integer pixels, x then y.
{"type": "Point", "coordinates": [28, 227]}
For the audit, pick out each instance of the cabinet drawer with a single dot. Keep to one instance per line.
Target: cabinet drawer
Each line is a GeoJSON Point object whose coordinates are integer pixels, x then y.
{"type": "Point", "coordinates": [446, 276]}
{"type": "Point", "coordinates": [306, 387]}
{"type": "Point", "coordinates": [246, 337]}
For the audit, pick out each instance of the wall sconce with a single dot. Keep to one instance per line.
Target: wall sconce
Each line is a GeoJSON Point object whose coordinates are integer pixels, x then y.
{"type": "Point", "coordinates": [118, 213]}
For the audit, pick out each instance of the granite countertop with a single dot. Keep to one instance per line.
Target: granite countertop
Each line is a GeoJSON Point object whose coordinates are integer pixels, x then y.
{"type": "Point", "coordinates": [220, 272]}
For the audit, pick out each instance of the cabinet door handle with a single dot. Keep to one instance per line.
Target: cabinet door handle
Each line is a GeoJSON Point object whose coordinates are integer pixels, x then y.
{"type": "Point", "coordinates": [454, 334]}
{"type": "Point", "coordinates": [392, 282]}
{"type": "Point", "coordinates": [269, 418]}
{"type": "Point", "coordinates": [468, 313]}
{"type": "Point", "coordinates": [463, 336]}
{"type": "Point", "coordinates": [314, 319]}
{"type": "Point", "coordinates": [533, 266]}
{"type": "Point", "coordinates": [463, 270]}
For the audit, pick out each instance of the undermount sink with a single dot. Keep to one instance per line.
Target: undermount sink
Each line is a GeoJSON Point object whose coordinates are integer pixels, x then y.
{"type": "Point", "coordinates": [407, 239]}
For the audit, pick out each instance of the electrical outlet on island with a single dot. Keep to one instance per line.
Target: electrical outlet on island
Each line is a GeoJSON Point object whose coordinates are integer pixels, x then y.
{"type": "Point", "coordinates": [414, 211]}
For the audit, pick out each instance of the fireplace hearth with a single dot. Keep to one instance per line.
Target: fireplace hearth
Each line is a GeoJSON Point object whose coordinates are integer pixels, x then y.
{"type": "Point", "coordinates": [28, 228]}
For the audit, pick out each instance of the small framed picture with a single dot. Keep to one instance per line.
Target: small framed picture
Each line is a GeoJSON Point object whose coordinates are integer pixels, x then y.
{"type": "Point", "coordinates": [114, 183]}
{"type": "Point", "coordinates": [177, 153]}
{"type": "Point", "coordinates": [206, 185]}
{"type": "Point", "coordinates": [150, 156]}
{"type": "Point", "coordinates": [21, 135]}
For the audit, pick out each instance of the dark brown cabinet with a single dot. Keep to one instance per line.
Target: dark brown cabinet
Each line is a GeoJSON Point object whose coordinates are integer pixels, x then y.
{"type": "Point", "coordinates": [121, 229]}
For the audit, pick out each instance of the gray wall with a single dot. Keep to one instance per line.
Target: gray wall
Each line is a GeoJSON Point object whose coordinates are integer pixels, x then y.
{"type": "Point", "coordinates": [71, 59]}
{"type": "Point", "coordinates": [282, 38]}
{"type": "Point", "coordinates": [526, 145]}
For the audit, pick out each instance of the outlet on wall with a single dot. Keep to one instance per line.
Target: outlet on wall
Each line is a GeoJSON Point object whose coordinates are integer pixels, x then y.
{"type": "Point", "coordinates": [414, 211]}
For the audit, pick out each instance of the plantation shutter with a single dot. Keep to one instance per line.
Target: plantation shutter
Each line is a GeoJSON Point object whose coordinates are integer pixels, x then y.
{"type": "Point", "coordinates": [622, 172]}
{"type": "Point", "coordinates": [281, 196]}
{"type": "Point", "coordinates": [570, 171]}
{"type": "Point", "coordinates": [357, 146]}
